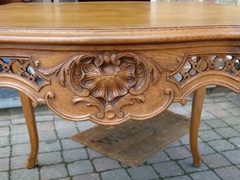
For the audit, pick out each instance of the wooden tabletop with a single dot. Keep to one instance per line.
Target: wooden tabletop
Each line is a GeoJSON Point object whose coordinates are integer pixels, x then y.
{"type": "Point", "coordinates": [116, 19]}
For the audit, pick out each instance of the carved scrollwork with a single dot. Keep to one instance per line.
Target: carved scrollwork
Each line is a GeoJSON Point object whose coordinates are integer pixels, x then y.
{"type": "Point", "coordinates": [21, 68]}
{"type": "Point", "coordinates": [193, 65]}
{"type": "Point", "coordinates": [108, 81]}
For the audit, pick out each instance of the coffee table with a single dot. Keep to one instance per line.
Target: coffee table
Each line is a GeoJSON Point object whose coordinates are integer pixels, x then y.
{"type": "Point", "coordinates": [112, 62]}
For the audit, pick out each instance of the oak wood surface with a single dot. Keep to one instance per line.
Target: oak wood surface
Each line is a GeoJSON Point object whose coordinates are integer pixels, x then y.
{"type": "Point", "coordinates": [112, 15]}
{"type": "Point", "coordinates": [116, 21]}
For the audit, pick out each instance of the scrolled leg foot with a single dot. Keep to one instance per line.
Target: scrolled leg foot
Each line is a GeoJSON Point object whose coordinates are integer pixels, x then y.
{"type": "Point", "coordinates": [197, 105]}
{"type": "Point", "coordinates": [32, 128]}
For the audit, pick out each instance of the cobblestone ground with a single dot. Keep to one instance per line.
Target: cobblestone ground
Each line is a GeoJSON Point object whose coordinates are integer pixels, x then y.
{"type": "Point", "coordinates": [61, 158]}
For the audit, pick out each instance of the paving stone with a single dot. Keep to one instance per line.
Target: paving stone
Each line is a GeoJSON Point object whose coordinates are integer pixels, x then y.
{"type": "Point", "coordinates": [56, 117]}
{"type": "Point", "coordinates": [220, 113]}
{"type": "Point", "coordinates": [204, 148]}
{"type": "Point", "coordinates": [227, 173]}
{"type": "Point", "coordinates": [70, 144]}
{"type": "Point", "coordinates": [159, 157]}
{"type": "Point", "coordinates": [53, 172]}
{"type": "Point", "coordinates": [49, 158]}
{"type": "Point", "coordinates": [117, 174]}
{"type": "Point", "coordinates": [26, 174]}
{"type": "Point", "coordinates": [209, 135]}
{"type": "Point", "coordinates": [19, 129]}
{"type": "Point", "coordinates": [220, 99]}
{"type": "Point", "coordinates": [4, 165]}
{"type": "Point", "coordinates": [216, 123]}
{"type": "Point", "coordinates": [233, 156]}
{"type": "Point", "coordinates": [142, 173]}
{"type": "Point", "coordinates": [168, 169]}
{"type": "Point", "coordinates": [4, 176]}
{"type": "Point", "coordinates": [205, 175]}
{"type": "Point", "coordinates": [232, 120]}
{"type": "Point", "coordinates": [47, 135]}
{"type": "Point", "coordinates": [175, 144]}
{"type": "Point", "coordinates": [237, 128]}
{"type": "Point", "coordinates": [5, 123]}
{"type": "Point", "coordinates": [42, 110]}
{"type": "Point", "coordinates": [226, 104]}
{"type": "Point", "coordinates": [18, 121]}
{"type": "Point", "coordinates": [185, 140]}
{"type": "Point", "coordinates": [234, 98]}
{"type": "Point", "coordinates": [75, 155]}
{"type": "Point", "coordinates": [178, 152]}
{"type": "Point", "coordinates": [19, 138]}
{"type": "Point", "coordinates": [211, 106]}
{"type": "Point", "coordinates": [187, 165]}
{"type": "Point", "coordinates": [4, 151]}
{"type": "Point", "coordinates": [188, 107]}
{"type": "Point", "coordinates": [4, 131]}
{"type": "Point", "coordinates": [227, 132]}
{"type": "Point", "coordinates": [49, 146]}
{"type": "Point", "coordinates": [235, 111]}
{"type": "Point", "coordinates": [41, 118]}
{"type": "Point", "coordinates": [94, 154]}
{"type": "Point", "coordinates": [204, 127]}
{"type": "Point", "coordinates": [82, 126]}
{"type": "Point", "coordinates": [18, 162]}
{"type": "Point", "coordinates": [92, 176]}
{"type": "Point", "coordinates": [80, 167]}
{"type": "Point", "coordinates": [20, 149]}
{"type": "Point", "coordinates": [66, 133]}
{"type": "Point", "coordinates": [221, 145]}
{"type": "Point", "coordinates": [45, 126]}
{"type": "Point", "coordinates": [206, 116]}
{"type": "Point", "coordinates": [179, 178]}
{"type": "Point", "coordinates": [235, 141]}
{"type": "Point", "coordinates": [180, 110]}
{"type": "Point", "coordinates": [63, 124]}
{"type": "Point", "coordinates": [215, 160]}
{"type": "Point", "coordinates": [4, 141]}
{"type": "Point", "coordinates": [105, 163]}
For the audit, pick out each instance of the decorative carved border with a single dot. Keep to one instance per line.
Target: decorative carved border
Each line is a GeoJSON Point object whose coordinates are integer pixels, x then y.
{"type": "Point", "coordinates": [194, 65]}
{"type": "Point", "coordinates": [23, 69]}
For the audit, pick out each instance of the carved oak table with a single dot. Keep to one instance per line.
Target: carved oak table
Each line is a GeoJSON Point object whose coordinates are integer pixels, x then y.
{"type": "Point", "coordinates": [114, 62]}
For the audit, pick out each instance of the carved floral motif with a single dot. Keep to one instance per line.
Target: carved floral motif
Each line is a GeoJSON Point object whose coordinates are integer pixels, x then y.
{"type": "Point", "coordinates": [108, 81]}
{"type": "Point", "coordinates": [108, 77]}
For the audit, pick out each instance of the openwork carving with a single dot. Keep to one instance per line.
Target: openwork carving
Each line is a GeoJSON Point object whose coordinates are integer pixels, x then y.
{"type": "Point", "coordinates": [20, 66]}
{"type": "Point", "coordinates": [108, 81]}
{"type": "Point", "coordinates": [195, 64]}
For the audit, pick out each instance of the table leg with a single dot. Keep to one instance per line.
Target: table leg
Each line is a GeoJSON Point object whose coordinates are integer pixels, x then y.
{"type": "Point", "coordinates": [28, 111]}
{"type": "Point", "coordinates": [197, 105]}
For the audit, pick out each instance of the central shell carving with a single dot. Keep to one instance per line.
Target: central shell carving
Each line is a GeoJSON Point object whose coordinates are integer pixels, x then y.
{"type": "Point", "coordinates": [108, 81]}
{"type": "Point", "coordinates": [107, 77]}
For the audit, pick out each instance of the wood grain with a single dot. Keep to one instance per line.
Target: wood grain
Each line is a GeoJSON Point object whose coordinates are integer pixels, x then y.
{"type": "Point", "coordinates": [112, 62]}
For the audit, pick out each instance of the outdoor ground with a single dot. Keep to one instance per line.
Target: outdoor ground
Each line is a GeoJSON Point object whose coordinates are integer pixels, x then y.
{"type": "Point", "coordinates": [64, 159]}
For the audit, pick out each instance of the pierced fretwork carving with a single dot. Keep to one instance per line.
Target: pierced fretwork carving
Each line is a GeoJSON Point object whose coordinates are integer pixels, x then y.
{"type": "Point", "coordinates": [108, 81]}
{"type": "Point", "coordinates": [19, 66]}
{"type": "Point", "coordinates": [195, 64]}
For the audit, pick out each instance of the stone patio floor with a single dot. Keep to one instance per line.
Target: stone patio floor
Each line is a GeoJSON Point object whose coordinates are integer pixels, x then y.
{"type": "Point", "coordinates": [64, 159]}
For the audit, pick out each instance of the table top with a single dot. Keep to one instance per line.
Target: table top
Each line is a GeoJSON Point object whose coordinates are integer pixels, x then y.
{"type": "Point", "coordinates": [116, 19]}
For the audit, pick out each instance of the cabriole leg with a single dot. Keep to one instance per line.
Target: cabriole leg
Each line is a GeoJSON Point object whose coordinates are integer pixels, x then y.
{"type": "Point", "coordinates": [197, 105]}
{"type": "Point", "coordinates": [28, 111]}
